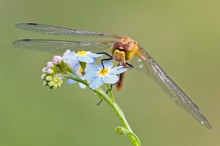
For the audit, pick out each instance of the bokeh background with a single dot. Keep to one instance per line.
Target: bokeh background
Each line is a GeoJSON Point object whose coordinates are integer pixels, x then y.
{"type": "Point", "coordinates": [184, 38]}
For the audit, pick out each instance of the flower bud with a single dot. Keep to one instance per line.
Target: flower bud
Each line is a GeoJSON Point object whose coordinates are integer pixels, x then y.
{"type": "Point", "coordinates": [49, 64]}
{"type": "Point", "coordinates": [45, 83]}
{"type": "Point", "coordinates": [43, 76]}
{"type": "Point", "coordinates": [50, 71]}
{"type": "Point", "coordinates": [49, 78]}
{"type": "Point", "coordinates": [44, 70]}
{"type": "Point", "coordinates": [121, 130]}
{"type": "Point", "coordinates": [51, 83]}
{"type": "Point", "coordinates": [57, 59]}
{"type": "Point", "coordinates": [55, 86]}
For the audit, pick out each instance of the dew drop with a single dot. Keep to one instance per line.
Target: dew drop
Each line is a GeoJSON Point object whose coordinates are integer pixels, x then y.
{"type": "Point", "coordinates": [141, 65]}
{"type": "Point", "coordinates": [139, 60]}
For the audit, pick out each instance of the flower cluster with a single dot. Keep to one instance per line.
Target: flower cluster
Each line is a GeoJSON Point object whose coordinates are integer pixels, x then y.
{"type": "Point", "coordinates": [51, 79]}
{"type": "Point", "coordinates": [80, 66]}
{"type": "Point", "coordinates": [54, 72]}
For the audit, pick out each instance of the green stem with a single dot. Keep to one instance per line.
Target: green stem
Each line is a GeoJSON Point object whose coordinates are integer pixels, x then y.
{"type": "Point", "coordinates": [111, 101]}
{"type": "Point", "coordinates": [124, 121]}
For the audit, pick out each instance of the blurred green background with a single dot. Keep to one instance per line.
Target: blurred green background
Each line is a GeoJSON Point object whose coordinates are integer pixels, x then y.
{"type": "Point", "coordinates": [183, 36]}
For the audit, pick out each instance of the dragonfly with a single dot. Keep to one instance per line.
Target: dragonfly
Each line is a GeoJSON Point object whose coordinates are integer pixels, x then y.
{"type": "Point", "coordinates": [131, 49]}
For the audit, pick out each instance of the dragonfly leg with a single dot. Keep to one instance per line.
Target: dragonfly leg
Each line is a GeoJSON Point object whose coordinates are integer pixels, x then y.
{"type": "Point", "coordinates": [129, 65]}
{"type": "Point", "coordinates": [109, 89]}
{"type": "Point", "coordinates": [106, 59]}
{"type": "Point", "coordinates": [105, 93]}
{"type": "Point", "coordinates": [99, 102]}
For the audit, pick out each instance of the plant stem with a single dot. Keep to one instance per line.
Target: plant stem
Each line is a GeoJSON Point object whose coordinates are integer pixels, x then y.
{"type": "Point", "coordinates": [120, 114]}
{"type": "Point", "coordinates": [111, 101]}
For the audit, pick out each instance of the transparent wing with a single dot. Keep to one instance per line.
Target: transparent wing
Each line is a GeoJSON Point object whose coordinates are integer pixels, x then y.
{"type": "Point", "coordinates": [60, 46]}
{"type": "Point", "coordinates": [55, 30]}
{"type": "Point", "coordinates": [171, 88]}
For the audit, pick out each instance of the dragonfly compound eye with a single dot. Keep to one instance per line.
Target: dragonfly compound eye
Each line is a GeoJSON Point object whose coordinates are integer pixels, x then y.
{"type": "Point", "coordinates": [117, 45]}
{"type": "Point", "coordinates": [127, 47]}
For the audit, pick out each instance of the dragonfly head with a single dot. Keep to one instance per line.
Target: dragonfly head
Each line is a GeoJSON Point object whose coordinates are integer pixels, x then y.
{"type": "Point", "coordinates": [127, 48]}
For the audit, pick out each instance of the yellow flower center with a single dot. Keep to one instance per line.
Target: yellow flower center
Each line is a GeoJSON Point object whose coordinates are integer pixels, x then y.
{"type": "Point", "coordinates": [80, 70]}
{"type": "Point", "coordinates": [82, 53]}
{"type": "Point", "coordinates": [103, 72]}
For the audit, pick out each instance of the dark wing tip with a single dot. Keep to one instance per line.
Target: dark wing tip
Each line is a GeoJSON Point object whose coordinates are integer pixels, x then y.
{"type": "Point", "coordinates": [31, 23]}
{"type": "Point", "coordinates": [26, 40]}
{"type": "Point", "coordinates": [23, 25]}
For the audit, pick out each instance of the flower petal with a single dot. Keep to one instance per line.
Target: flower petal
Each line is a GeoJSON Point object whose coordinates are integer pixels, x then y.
{"type": "Point", "coordinates": [110, 79]}
{"type": "Point", "coordinates": [90, 76]}
{"type": "Point", "coordinates": [67, 53]}
{"type": "Point", "coordinates": [86, 59]}
{"type": "Point", "coordinates": [76, 69]}
{"type": "Point", "coordinates": [118, 70]}
{"type": "Point", "coordinates": [82, 86]}
{"type": "Point", "coordinates": [70, 81]}
{"type": "Point", "coordinates": [93, 55]}
{"type": "Point", "coordinates": [71, 60]}
{"type": "Point", "coordinates": [97, 82]}
{"type": "Point", "coordinates": [108, 64]}
{"type": "Point", "coordinates": [90, 68]}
